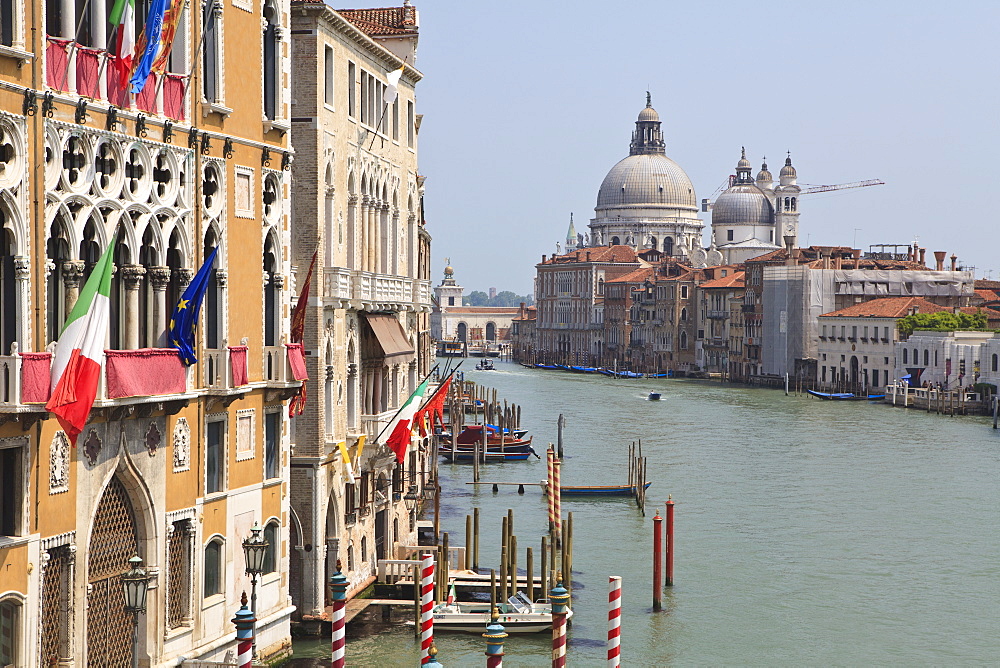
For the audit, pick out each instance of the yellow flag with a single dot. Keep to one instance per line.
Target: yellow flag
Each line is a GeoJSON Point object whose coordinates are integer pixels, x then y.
{"type": "Point", "coordinates": [347, 459]}
{"type": "Point", "coordinates": [361, 445]}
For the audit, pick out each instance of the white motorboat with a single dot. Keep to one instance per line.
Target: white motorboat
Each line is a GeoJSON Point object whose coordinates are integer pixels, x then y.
{"type": "Point", "coordinates": [518, 615]}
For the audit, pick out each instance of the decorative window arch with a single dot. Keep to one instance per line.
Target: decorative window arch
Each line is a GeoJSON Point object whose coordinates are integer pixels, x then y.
{"type": "Point", "coordinates": [213, 576]}
{"type": "Point", "coordinates": [12, 650]}
{"type": "Point", "coordinates": [271, 49]}
{"type": "Point", "coordinates": [272, 287]}
{"type": "Point", "coordinates": [272, 534]}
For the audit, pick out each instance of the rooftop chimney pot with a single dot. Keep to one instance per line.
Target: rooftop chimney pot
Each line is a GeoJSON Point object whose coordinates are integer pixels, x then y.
{"type": "Point", "coordinates": [939, 259]}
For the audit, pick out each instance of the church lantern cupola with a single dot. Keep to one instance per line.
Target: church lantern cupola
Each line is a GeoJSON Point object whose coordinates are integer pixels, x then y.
{"type": "Point", "coordinates": [647, 137]}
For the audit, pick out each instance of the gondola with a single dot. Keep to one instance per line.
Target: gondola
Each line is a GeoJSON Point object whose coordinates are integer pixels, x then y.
{"type": "Point", "coordinates": [599, 490]}
{"type": "Point", "coordinates": [488, 457]}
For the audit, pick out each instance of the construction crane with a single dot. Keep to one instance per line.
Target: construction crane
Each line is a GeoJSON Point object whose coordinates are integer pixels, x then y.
{"type": "Point", "coordinates": [706, 204]}
{"type": "Point", "coordinates": [841, 186]}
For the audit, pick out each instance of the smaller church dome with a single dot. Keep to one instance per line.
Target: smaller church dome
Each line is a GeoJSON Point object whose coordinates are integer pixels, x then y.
{"type": "Point", "coordinates": [743, 204]}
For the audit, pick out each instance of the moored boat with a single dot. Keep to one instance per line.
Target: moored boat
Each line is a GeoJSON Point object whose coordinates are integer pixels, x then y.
{"type": "Point", "coordinates": [518, 615]}
{"type": "Point", "coordinates": [488, 456]}
{"type": "Point", "coordinates": [599, 490]}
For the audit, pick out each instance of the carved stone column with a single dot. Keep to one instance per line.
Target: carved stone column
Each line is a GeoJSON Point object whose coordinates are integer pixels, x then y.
{"type": "Point", "coordinates": [22, 278]}
{"type": "Point", "coordinates": [159, 278]}
{"type": "Point", "coordinates": [72, 273]}
{"type": "Point", "coordinates": [183, 277]}
{"type": "Point", "coordinates": [373, 254]}
{"type": "Point", "coordinates": [132, 275]}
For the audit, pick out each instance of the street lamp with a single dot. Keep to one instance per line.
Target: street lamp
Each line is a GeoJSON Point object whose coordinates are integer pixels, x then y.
{"type": "Point", "coordinates": [135, 584]}
{"type": "Point", "coordinates": [255, 551]}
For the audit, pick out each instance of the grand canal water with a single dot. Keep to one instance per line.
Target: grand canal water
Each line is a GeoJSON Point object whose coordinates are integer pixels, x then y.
{"type": "Point", "coordinates": [807, 532]}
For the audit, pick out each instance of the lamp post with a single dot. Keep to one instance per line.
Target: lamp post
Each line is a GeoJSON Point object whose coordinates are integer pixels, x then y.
{"type": "Point", "coordinates": [255, 551]}
{"type": "Point", "coordinates": [135, 584]}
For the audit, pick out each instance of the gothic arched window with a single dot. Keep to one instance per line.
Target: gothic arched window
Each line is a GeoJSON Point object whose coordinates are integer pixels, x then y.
{"type": "Point", "coordinates": [271, 45]}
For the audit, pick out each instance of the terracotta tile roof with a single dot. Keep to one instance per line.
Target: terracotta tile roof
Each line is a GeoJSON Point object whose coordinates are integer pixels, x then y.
{"type": "Point", "coordinates": [619, 254]}
{"type": "Point", "coordinates": [732, 281]}
{"type": "Point", "coordinates": [383, 21]}
{"type": "Point", "coordinates": [637, 276]}
{"type": "Point", "coordinates": [986, 295]}
{"type": "Point", "coordinates": [985, 284]}
{"type": "Point", "coordinates": [888, 307]}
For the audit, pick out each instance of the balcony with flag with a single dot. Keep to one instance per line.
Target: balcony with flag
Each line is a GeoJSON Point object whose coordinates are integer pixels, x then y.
{"type": "Point", "coordinates": [114, 52]}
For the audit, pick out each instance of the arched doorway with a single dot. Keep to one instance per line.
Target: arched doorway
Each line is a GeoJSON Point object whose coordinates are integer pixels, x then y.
{"type": "Point", "coordinates": [462, 331]}
{"type": "Point", "coordinates": [491, 331]}
{"type": "Point", "coordinates": [113, 541]}
{"type": "Point", "coordinates": [381, 521]}
{"type": "Point", "coordinates": [855, 374]}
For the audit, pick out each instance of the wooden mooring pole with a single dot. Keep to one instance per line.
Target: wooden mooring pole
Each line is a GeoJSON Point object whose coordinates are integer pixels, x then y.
{"type": "Point", "coordinates": [657, 563]}
{"type": "Point", "coordinates": [670, 541]}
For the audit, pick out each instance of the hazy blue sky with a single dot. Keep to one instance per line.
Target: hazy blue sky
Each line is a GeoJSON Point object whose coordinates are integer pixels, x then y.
{"type": "Point", "coordinates": [527, 105]}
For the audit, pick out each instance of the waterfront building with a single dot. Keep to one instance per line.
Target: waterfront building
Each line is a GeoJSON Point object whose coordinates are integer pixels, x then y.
{"type": "Point", "coordinates": [948, 359]}
{"type": "Point", "coordinates": [857, 345]}
{"type": "Point", "coordinates": [522, 334]}
{"type": "Point", "coordinates": [175, 464]}
{"type": "Point", "coordinates": [476, 326]}
{"type": "Point", "coordinates": [358, 208]}
{"type": "Point", "coordinates": [569, 297]}
{"type": "Point", "coordinates": [794, 294]}
{"type": "Point", "coordinates": [716, 297]}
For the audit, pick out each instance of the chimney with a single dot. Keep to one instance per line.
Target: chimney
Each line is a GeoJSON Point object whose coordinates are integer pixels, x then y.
{"type": "Point", "coordinates": [923, 253]}
{"type": "Point", "coordinates": [939, 259]}
{"type": "Point", "coordinates": [588, 256]}
{"type": "Point", "coordinates": [915, 251]}
{"type": "Point", "coordinates": [543, 259]}
{"type": "Point", "coordinates": [790, 249]}
{"type": "Point", "coordinates": [954, 260]}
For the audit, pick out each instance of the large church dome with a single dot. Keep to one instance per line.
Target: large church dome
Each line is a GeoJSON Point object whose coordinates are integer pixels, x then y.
{"type": "Point", "coordinates": [646, 200]}
{"type": "Point", "coordinates": [647, 180]}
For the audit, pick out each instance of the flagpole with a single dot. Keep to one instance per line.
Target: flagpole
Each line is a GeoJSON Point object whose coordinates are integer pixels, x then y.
{"type": "Point", "coordinates": [386, 108]}
{"type": "Point", "coordinates": [400, 409]}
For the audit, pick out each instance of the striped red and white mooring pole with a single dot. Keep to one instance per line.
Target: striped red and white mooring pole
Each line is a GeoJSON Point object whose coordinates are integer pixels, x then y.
{"type": "Point", "coordinates": [549, 491]}
{"type": "Point", "coordinates": [670, 540]}
{"type": "Point", "coordinates": [559, 598]}
{"type": "Point", "coordinates": [494, 636]}
{"type": "Point", "coordinates": [614, 620]}
{"type": "Point", "coordinates": [338, 650]}
{"type": "Point", "coordinates": [426, 606]}
{"type": "Point", "coordinates": [244, 621]}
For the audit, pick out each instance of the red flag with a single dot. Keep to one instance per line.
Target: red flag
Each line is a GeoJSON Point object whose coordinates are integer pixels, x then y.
{"type": "Point", "coordinates": [298, 402]}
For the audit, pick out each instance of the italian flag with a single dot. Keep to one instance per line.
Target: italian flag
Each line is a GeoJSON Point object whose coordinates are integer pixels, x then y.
{"type": "Point", "coordinates": [401, 427]}
{"type": "Point", "coordinates": [76, 370]}
{"type": "Point", "coordinates": [123, 18]}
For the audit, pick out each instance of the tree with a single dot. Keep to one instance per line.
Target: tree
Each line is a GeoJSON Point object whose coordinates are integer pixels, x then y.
{"type": "Point", "coordinates": [943, 321]}
{"type": "Point", "coordinates": [476, 298]}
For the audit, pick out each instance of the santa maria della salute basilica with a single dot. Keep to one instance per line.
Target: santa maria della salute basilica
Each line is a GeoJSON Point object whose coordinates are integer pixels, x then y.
{"type": "Point", "coordinates": [647, 202]}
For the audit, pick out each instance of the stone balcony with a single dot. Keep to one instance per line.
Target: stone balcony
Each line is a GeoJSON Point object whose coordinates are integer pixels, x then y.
{"type": "Point", "coordinates": [364, 290]}
{"type": "Point", "coordinates": [151, 377]}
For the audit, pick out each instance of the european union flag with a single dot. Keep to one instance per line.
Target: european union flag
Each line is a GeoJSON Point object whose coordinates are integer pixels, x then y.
{"type": "Point", "coordinates": [184, 319]}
